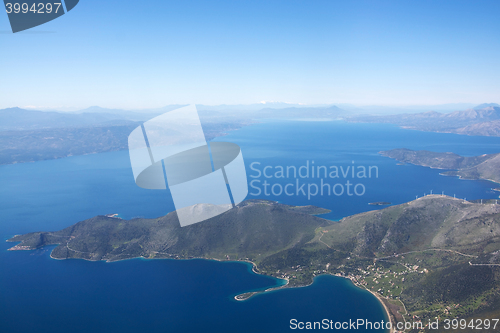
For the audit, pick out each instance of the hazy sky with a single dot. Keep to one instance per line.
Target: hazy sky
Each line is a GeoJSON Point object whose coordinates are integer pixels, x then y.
{"type": "Point", "coordinates": [133, 54]}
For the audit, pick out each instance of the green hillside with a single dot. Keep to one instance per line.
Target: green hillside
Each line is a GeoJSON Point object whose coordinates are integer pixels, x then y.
{"type": "Point", "coordinates": [432, 257]}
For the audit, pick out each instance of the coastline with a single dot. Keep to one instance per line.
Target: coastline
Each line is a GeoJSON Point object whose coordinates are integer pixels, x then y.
{"type": "Point", "coordinates": [380, 298]}
{"type": "Point", "coordinates": [386, 309]}
{"type": "Point", "coordinates": [248, 295]}
{"type": "Point", "coordinates": [439, 168]}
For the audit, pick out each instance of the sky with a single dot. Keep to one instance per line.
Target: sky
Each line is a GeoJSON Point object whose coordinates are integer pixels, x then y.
{"type": "Point", "coordinates": [146, 54]}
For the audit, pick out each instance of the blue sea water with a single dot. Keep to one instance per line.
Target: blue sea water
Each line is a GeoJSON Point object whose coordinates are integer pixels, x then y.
{"type": "Point", "coordinates": [341, 144]}
{"type": "Point", "coordinates": [39, 294]}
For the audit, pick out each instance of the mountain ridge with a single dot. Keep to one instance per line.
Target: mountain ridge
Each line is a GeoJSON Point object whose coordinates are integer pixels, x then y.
{"type": "Point", "coordinates": [254, 226]}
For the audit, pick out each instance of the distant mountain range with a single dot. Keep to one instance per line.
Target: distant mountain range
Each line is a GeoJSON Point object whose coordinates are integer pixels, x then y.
{"type": "Point", "coordinates": [485, 105]}
{"type": "Point", "coordinates": [329, 112]}
{"type": "Point", "coordinates": [482, 120]}
{"type": "Point", "coordinates": [252, 107]}
{"type": "Point", "coordinates": [29, 135]}
{"type": "Point", "coordinates": [14, 119]}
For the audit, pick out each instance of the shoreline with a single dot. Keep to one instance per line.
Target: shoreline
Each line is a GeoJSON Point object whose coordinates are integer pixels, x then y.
{"type": "Point", "coordinates": [439, 168]}
{"type": "Point", "coordinates": [247, 295]}
{"type": "Point", "coordinates": [379, 297]}
{"type": "Point", "coordinates": [386, 309]}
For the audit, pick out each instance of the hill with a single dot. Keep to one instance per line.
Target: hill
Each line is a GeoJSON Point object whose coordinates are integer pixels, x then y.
{"type": "Point", "coordinates": [437, 255]}
{"type": "Point", "coordinates": [485, 105]}
{"type": "Point", "coordinates": [487, 128]}
{"type": "Point", "coordinates": [255, 229]}
{"type": "Point", "coordinates": [486, 166]}
{"type": "Point", "coordinates": [433, 221]}
{"type": "Point", "coordinates": [432, 257]}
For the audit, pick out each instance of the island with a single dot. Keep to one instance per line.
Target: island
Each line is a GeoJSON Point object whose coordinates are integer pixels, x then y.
{"type": "Point", "coordinates": [435, 256]}
{"type": "Point", "coordinates": [485, 167]}
{"type": "Point", "coordinates": [379, 203]}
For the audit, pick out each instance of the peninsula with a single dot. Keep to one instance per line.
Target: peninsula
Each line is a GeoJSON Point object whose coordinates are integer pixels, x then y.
{"type": "Point", "coordinates": [486, 166]}
{"type": "Point", "coordinates": [432, 257]}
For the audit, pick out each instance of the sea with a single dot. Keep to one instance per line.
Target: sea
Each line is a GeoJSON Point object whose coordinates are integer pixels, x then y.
{"type": "Point", "coordinates": [40, 294]}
